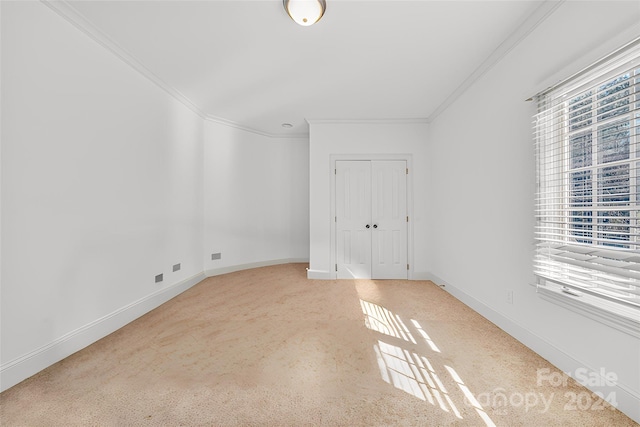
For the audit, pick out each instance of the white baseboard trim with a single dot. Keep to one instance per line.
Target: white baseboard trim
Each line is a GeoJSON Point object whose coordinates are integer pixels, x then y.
{"type": "Point", "coordinates": [240, 267]}
{"type": "Point", "coordinates": [628, 400]}
{"type": "Point", "coordinates": [319, 275]}
{"type": "Point", "coordinates": [21, 368]}
{"type": "Point", "coordinates": [328, 275]}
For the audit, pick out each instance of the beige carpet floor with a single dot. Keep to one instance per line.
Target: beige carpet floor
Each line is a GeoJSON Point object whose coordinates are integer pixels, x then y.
{"type": "Point", "coordinates": [267, 347]}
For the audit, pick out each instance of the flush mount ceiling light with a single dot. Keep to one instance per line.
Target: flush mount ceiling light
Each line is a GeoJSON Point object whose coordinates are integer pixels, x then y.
{"type": "Point", "coordinates": [305, 12]}
{"type": "Point", "coordinates": [287, 125]}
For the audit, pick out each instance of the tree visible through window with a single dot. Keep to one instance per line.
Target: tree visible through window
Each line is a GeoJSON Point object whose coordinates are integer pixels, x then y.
{"type": "Point", "coordinates": [588, 160]}
{"type": "Point", "coordinates": [599, 157]}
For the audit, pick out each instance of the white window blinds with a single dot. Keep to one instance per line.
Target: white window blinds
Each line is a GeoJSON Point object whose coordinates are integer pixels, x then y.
{"type": "Point", "coordinates": [587, 143]}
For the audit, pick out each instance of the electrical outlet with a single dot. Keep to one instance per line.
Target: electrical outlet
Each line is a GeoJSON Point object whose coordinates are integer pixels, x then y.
{"type": "Point", "coordinates": [176, 267]}
{"type": "Point", "coordinates": [159, 278]}
{"type": "Point", "coordinates": [509, 296]}
{"type": "Point", "coordinates": [216, 256]}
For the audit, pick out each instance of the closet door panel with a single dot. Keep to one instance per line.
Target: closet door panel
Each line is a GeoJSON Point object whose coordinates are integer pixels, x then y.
{"type": "Point", "coordinates": [389, 218]}
{"type": "Point", "coordinates": [353, 215]}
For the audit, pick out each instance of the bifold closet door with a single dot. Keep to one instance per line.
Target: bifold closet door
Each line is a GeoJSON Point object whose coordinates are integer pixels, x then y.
{"type": "Point", "coordinates": [371, 219]}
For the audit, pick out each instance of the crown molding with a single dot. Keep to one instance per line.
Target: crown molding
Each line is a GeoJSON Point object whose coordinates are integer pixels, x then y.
{"type": "Point", "coordinates": [525, 28]}
{"type": "Point", "coordinates": [417, 120]}
{"type": "Point", "coordinates": [69, 13]}
{"type": "Point", "coordinates": [78, 20]}
{"type": "Point", "coordinates": [236, 125]}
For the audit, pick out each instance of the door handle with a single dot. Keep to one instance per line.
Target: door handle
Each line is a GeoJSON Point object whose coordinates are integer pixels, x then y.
{"type": "Point", "coordinates": [367, 226]}
{"type": "Point", "coordinates": [375, 225]}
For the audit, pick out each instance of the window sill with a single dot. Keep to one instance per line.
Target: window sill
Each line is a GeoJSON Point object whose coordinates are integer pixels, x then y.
{"type": "Point", "coordinates": [625, 319]}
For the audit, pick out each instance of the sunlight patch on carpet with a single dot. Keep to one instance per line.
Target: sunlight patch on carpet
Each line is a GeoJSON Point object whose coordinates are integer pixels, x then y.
{"type": "Point", "coordinates": [381, 320]}
{"type": "Point", "coordinates": [470, 397]}
{"type": "Point", "coordinates": [408, 370]}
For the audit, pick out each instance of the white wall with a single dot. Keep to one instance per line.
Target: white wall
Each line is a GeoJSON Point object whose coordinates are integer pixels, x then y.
{"type": "Point", "coordinates": [256, 192]}
{"type": "Point", "coordinates": [368, 138]}
{"type": "Point", "coordinates": [481, 187]}
{"type": "Point", "coordinates": [101, 191]}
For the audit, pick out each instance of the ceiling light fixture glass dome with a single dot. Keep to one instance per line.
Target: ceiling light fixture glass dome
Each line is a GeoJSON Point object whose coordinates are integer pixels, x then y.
{"type": "Point", "coordinates": [305, 12]}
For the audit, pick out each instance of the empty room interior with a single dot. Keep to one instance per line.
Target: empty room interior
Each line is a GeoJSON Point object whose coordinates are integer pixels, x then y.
{"type": "Point", "coordinates": [406, 213]}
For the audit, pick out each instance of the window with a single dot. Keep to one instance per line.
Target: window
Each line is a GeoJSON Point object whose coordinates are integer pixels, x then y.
{"type": "Point", "coordinates": [587, 140]}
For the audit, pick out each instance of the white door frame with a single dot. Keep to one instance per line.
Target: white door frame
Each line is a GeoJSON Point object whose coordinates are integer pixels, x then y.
{"type": "Point", "coordinates": [332, 163]}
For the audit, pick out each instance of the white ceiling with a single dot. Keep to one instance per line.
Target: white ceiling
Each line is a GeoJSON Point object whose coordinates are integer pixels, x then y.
{"type": "Point", "coordinates": [248, 63]}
